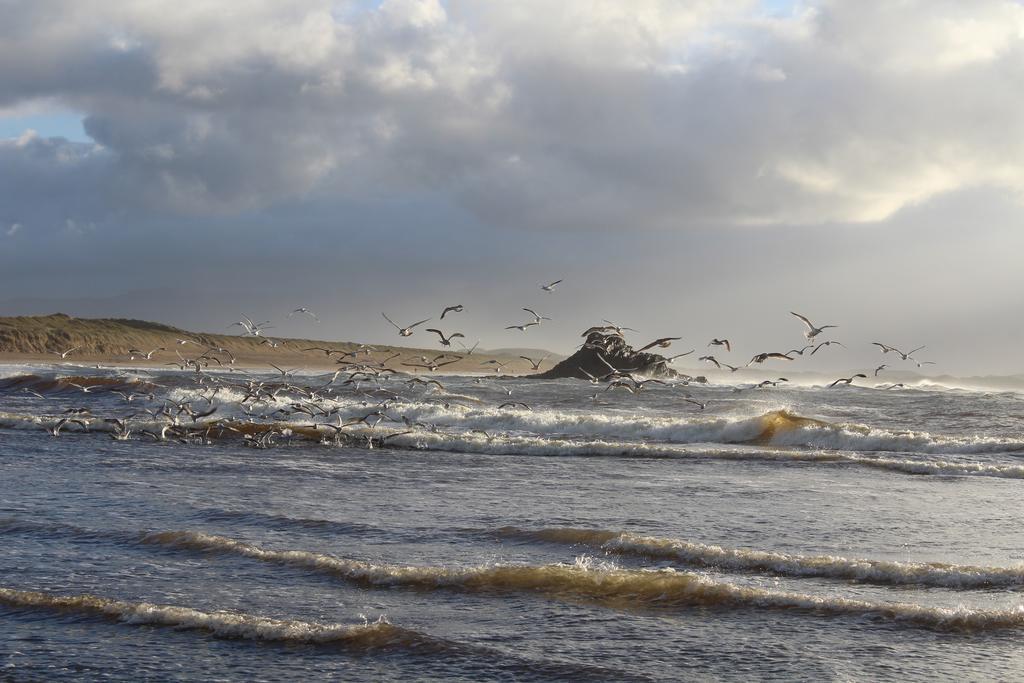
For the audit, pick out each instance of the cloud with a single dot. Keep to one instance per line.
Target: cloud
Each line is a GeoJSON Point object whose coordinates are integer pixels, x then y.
{"type": "Point", "coordinates": [649, 114]}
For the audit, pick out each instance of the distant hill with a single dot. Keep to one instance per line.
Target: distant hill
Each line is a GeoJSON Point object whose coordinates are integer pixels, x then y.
{"type": "Point", "coordinates": [530, 353]}
{"type": "Point", "coordinates": [109, 340]}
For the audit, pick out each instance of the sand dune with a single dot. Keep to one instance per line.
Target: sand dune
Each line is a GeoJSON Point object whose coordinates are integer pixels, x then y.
{"type": "Point", "coordinates": [108, 341]}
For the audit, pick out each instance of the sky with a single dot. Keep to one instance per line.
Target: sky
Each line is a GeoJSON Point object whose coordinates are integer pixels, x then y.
{"type": "Point", "coordinates": [695, 169]}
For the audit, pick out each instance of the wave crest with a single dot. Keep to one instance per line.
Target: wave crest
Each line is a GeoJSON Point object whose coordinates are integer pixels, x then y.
{"type": "Point", "coordinates": [221, 624]}
{"type": "Point", "coordinates": [783, 564]}
{"type": "Point", "coordinates": [603, 584]}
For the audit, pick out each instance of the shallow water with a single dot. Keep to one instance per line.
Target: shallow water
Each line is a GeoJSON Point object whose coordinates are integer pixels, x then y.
{"type": "Point", "coordinates": [797, 533]}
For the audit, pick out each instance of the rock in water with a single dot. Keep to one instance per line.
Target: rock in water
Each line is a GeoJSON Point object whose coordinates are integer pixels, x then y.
{"type": "Point", "coordinates": [614, 349]}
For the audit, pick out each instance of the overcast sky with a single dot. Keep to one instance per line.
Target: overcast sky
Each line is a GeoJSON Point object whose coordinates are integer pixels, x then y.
{"type": "Point", "coordinates": [689, 169]}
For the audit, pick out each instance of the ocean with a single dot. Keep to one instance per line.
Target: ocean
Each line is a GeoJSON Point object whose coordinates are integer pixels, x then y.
{"type": "Point", "coordinates": [790, 532]}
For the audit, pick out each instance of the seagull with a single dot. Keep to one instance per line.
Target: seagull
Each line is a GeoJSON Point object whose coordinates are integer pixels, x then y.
{"type": "Point", "coordinates": [618, 328]}
{"type": "Point", "coordinates": [800, 351]}
{"type": "Point", "coordinates": [905, 356]}
{"type": "Point", "coordinates": [711, 359]}
{"type": "Point", "coordinates": [826, 343]}
{"type": "Point", "coordinates": [458, 308]}
{"type": "Point", "coordinates": [65, 354]}
{"type": "Point", "coordinates": [550, 287]}
{"type": "Point", "coordinates": [535, 363]}
{"type": "Point", "coordinates": [132, 353]}
{"type": "Point", "coordinates": [305, 310]}
{"type": "Point", "coordinates": [721, 342]}
{"type": "Point", "coordinates": [432, 365]}
{"type": "Point", "coordinates": [762, 357]}
{"type": "Point", "coordinates": [445, 341]}
{"type": "Point", "coordinates": [847, 380]}
{"type": "Point", "coordinates": [514, 404]}
{"type": "Point", "coordinates": [812, 331]}
{"type": "Point", "coordinates": [925, 362]}
{"type": "Point", "coordinates": [880, 368]}
{"type": "Point", "coordinates": [469, 350]}
{"type": "Point", "coordinates": [404, 331]}
{"type": "Point", "coordinates": [326, 350]}
{"type": "Point", "coordinates": [664, 343]}
{"type": "Point", "coordinates": [252, 329]}
{"type": "Point", "coordinates": [522, 328]}
{"type": "Point", "coordinates": [536, 317]}
{"type": "Point", "coordinates": [892, 386]}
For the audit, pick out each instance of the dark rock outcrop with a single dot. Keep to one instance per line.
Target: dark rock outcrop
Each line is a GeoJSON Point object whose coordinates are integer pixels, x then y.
{"type": "Point", "coordinates": [612, 347]}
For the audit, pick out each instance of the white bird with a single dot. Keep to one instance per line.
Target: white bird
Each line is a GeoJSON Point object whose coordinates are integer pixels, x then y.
{"type": "Point", "coordinates": [904, 356]}
{"type": "Point", "coordinates": [305, 310]}
{"type": "Point", "coordinates": [404, 331]}
{"type": "Point", "coordinates": [537, 318]}
{"type": "Point", "coordinates": [65, 354]}
{"type": "Point", "coordinates": [550, 287]}
{"type": "Point", "coordinates": [133, 353]}
{"type": "Point", "coordinates": [812, 331]}
{"type": "Point", "coordinates": [522, 328]}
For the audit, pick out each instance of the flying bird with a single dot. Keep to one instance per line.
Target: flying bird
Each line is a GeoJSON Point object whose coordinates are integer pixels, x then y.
{"type": "Point", "coordinates": [847, 380]}
{"type": "Point", "coordinates": [721, 342]}
{"type": "Point", "coordinates": [812, 331]}
{"type": "Point", "coordinates": [404, 331]}
{"type": "Point", "coordinates": [826, 343]}
{"type": "Point", "coordinates": [762, 357]}
{"type": "Point", "coordinates": [136, 353]}
{"type": "Point", "coordinates": [305, 310]}
{"type": "Point", "coordinates": [535, 363]}
{"type": "Point", "coordinates": [537, 318]}
{"type": "Point", "coordinates": [522, 328]}
{"type": "Point", "coordinates": [65, 354]}
{"type": "Point", "coordinates": [458, 308]}
{"type": "Point", "coordinates": [550, 287]}
{"type": "Point", "coordinates": [885, 348]}
{"type": "Point", "coordinates": [445, 341]}
{"type": "Point", "coordinates": [664, 343]}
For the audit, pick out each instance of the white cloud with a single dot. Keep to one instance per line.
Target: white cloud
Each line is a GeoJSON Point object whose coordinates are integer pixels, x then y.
{"type": "Point", "coordinates": [652, 113]}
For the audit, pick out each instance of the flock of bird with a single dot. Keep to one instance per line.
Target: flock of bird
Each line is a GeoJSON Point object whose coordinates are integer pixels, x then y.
{"type": "Point", "coordinates": [270, 407]}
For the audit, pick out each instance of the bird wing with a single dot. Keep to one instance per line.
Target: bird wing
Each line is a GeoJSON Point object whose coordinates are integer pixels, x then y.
{"type": "Point", "coordinates": [439, 332]}
{"type": "Point", "coordinates": [885, 347]}
{"type": "Point", "coordinates": [418, 323]}
{"type": "Point", "coordinates": [390, 321]}
{"type": "Point", "coordinates": [915, 350]}
{"type": "Point", "coordinates": [806, 321]}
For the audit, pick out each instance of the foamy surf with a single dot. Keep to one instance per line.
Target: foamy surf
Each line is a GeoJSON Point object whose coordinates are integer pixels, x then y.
{"type": "Point", "coordinates": [514, 444]}
{"type": "Point", "coordinates": [602, 584]}
{"type": "Point", "coordinates": [220, 624]}
{"type": "Point", "coordinates": [782, 564]}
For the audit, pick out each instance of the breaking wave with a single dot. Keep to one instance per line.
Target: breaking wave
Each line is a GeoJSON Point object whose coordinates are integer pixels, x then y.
{"type": "Point", "coordinates": [602, 584]}
{"type": "Point", "coordinates": [220, 624]}
{"type": "Point", "coordinates": [48, 385]}
{"type": "Point", "coordinates": [782, 564]}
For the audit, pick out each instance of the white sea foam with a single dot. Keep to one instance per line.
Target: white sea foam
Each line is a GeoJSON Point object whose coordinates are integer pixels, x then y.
{"type": "Point", "coordinates": [220, 623]}
{"type": "Point", "coordinates": [603, 584]}
{"type": "Point", "coordinates": [783, 564]}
